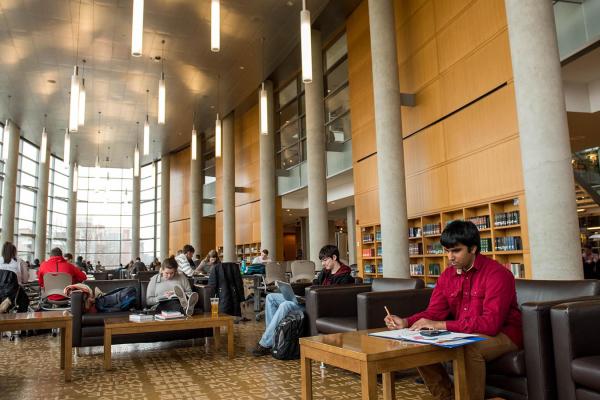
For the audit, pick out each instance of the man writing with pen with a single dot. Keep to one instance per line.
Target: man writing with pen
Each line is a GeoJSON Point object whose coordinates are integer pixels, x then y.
{"type": "Point", "coordinates": [475, 294]}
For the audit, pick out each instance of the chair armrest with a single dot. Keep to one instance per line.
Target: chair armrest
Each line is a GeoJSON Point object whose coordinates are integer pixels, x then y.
{"type": "Point", "coordinates": [403, 303]}
{"type": "Point", "coordinates": [331, 301]}
{"type": "Point", "coordinates": [204, 294]}
{"type": "Point", "coordinates": [77, 313]}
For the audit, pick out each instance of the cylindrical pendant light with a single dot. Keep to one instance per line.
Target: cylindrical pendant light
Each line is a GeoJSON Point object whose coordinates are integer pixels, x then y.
{"type": "Point", "coordinates": [215, 26]}
{"type": "Point", "coordinates": [264, 121]}
{"type": "Point", "coordinates": [194, 144]}
{"type": "Point", "coordinates": [218, 137]}
{"type": "Point", "coordinates": [306, 47]}
{"type": "Point", "coordinates": [161, 99]}
{"type": "Point", "coordinates": [67, 145]}
{"type": "Point", "coordinates": [146, 136]}
{"type": "Point", "coordinates": [136, 161]}
{"type": "Point", "coordinates": [44, 146]}
{"type": "Point", "coordinates": [81, 109]}
{"type": "Point", "coordinates": [137, 28]}
{"type": "Point", "coordinates": [6, 141]}
{"type": "Point", "coordinates": [74, 103]}
{"type": "Point", "coordinates": [75, 178]}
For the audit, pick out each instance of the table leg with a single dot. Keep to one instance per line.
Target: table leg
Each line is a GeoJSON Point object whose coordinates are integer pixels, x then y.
{"type": "Point", "coordinates": [306, 374]}
{"type": "Point", "coordinates": [256, 295]}
{"type": "Point", "coordinates": [107, 348]}
{"type": "Point", "coordinates": [368, 381]}
{"type": "Point", "coordinates": [62, 347]}
{"type": "Point", "coordinates": [389, 386]}
{"type": "Point", "coordinates": [230, 348]}
{"type": "Point", "coordinates": [460, 377]}
{"type": "Point", "coordinates": [217, 337]}
{"type": "Point", "coordinates": [68, 349]}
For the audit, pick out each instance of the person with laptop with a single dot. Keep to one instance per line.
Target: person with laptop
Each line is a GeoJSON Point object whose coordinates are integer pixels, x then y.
{"type": "Point", "coordinates": [279, 305]}
{"type": "Point", "coordinates": [475, 294]}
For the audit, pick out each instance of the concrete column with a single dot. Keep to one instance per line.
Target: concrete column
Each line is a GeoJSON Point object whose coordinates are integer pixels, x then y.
{"type": "Point", "coordinates": [268, 229]}
{"type": "Point", "coordinates": [197, 197]}
{"type": "Point", "coordinates": [388, 127]}
{"type": "Point", "coordinates": [41, 210]}
{"type": "Point", "coordinates": [304, 238]}
{"type": "Point", "coordinates": [351, 222]}
{"type": "Point", "coordinates": [9, 195]}
{"type": "Point", "coordinates": [165, 204]}
{"type": "Point", "coordinates": [135, 217]}
{"type": "Point", "coordinates": [71, 212]}
{"type": "Point", "coordinates": [315, 148]}
{"type": "Point", "coordinates": [544, 137]}
{"type": "Point", "coordinates": [228, 155]}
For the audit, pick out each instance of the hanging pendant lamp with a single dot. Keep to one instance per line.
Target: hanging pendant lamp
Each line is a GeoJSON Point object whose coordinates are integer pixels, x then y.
{"type": "Point", "coordinates": [264, 121]}
{"type": "Point", "coordinates": [194, 144]}
{"type": "Point", "coordinates": [215, 26]}
{"type": "Point", "coordinates": [75, 178]}
{"type": "Point", "coordinates": [137, 28]}
{"type": "Point", "coordinates": [306, 46]}
{"type": "Point", "coordinates": [74, 102]}
{"type": "Point", "coordinates": [67, 149]}
{"type": "Point", "coordinates": [218, 137]}
{"type": "Point", "coordinates": [136, 161]}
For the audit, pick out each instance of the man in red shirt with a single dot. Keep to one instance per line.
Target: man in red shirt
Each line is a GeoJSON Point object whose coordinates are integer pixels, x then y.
{"type": "Point", "coordinates": [56, 263]}
{"type": "Point", "coordinates": [475, 294]}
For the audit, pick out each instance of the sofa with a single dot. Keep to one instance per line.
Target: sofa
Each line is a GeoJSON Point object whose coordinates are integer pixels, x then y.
{"type": "Point", "coordinates": [575, 328]}
{"type": "Point", "coordinates": [333, 309]}
{"type": "Point", "coordinates": [88, 328]}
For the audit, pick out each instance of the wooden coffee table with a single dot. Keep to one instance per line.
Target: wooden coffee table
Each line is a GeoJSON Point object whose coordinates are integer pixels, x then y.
{"type": "Point", "coordinates": [369, 356]}
{"type": "Point", "coordinates": [45, 320]}
{"type": "Point", "coordinates": [122, 326]}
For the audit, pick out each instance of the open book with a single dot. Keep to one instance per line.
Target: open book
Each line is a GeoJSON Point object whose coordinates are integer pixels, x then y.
{"type": "Point", "coordinates": [450, 339]}
{"type": "Point", "coordinates": [166, 298]}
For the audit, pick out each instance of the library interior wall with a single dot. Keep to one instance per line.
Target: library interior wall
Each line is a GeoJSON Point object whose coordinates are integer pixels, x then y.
{"type": "Point", "coordinates": [461, 140]}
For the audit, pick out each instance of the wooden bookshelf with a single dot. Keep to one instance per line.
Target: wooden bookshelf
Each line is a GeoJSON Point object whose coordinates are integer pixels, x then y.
{"type": "Point", "coordinates": [247, 251]}
{"type": "Point", "coordinates": [369, 252]}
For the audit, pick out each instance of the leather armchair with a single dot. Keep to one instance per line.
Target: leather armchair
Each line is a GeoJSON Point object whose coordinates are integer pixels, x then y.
{"type": "Point", "coordinates": [333, 309]}
{"type": "Point", "coordinates": [402, 303]}
{"type": "Point", "coordinates": [529, 373]}
{"type": "Point", "coordinates": [575, 328]}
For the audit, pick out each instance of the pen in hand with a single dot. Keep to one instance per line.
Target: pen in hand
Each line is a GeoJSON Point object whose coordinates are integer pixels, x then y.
{"type": "Point", "coordinates": [389, 315]}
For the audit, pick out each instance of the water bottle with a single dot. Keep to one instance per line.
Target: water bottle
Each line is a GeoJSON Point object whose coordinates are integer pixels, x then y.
{"type": "Point", "coordinates": [244, 268]}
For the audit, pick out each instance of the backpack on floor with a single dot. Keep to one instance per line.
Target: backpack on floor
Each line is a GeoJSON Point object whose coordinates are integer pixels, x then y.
{"type": "Point", "coordinates": [9, 285]}
{"type": "Point", "coordinates": [121, 299]}
{"type": "Point", "coordinates": [286, 344]}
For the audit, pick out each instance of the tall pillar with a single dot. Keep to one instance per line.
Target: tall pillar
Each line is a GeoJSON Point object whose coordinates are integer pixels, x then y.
{"type": "Point", "coordinates": [388, 127]}
{"type": "Point", "coordinates": [544, 137]}
{"type": "Point", "coordinates": [351, 223]}
{"type": "Point", "coordinates": [304, 238]}
{"type": "Point", "coordinates": [41, 210]}
{"type": "Point", "coordinates": [228, 158]}
{"type": "Point", "coordinates": [9, 195]}
{"type": "Point", "coordinates": [135, 217]}
{"type": "Point", "coordinates": [318, 227]}
{"type": "Point", "coordinates": [197, 197]}
{"type": "Point", "coordinates": [165, 204]}
{"type": "Point", "coordinates": [268, 229]}
{"type": "Point", "coordinates": [71, 211]}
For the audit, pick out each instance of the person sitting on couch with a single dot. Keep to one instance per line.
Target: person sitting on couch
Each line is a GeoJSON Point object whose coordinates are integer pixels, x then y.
{"type": "Point", "coordinates": [277, 308]}
{"type": "Point", "coordinates": [170, 290]}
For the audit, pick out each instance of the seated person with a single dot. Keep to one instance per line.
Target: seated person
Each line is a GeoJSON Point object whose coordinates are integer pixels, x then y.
{"type": "Point", "coordinates": [10, 262]}
{"type": "Point", "coordinates": [169, 282]}
{"type": "Point", "coordinates": [262, 258]}
{"type": "Point", "coordinates": [277, 308]}
{"type": "Point", "coordinates": [207, 264]}
{"type": "Point", "coordinates": [56, 263]}
{"type": "Point", "coordinates": [138, 266]}
{"type": "Point", "coordinates": [475, 294]}
{"type": "Point", "coordinates": [99, 267]}
{"type": "Point", "coordinates": [185, 260]}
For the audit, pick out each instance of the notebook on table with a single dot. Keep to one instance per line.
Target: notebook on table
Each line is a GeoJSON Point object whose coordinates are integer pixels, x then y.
{"type": "Point", "coordinates": [288, 293]}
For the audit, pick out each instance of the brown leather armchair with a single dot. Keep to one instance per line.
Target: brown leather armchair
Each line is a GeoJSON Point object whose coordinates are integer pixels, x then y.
{"type": "Point", "coordinates": [575, 328]}
{"type": "Point", "coordinates": [333, 309]}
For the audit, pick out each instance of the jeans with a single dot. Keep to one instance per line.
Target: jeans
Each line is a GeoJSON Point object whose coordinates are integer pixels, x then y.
{"type": "Point", "coordinates": [276, 309]}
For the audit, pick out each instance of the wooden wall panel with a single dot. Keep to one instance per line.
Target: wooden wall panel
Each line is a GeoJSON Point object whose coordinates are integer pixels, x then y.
{"type": "Point", "coordinates": [446, 10]}
{"type": "Point", "coordinates": [403, 9]}
{"type": "Point", "coordinates": [219, 229]}
{"type": "Point", "coordinates": [420, 69]}
{"type": "Point", "coordinates": [179, 235]}
{"type": "Point", "coordinates": [367, 207]}
{"type": "Point", "coordinates": [208, 235]}
{"type": "Point", "coordinates": [424, 150]}
{"type": "Point", "coordinates": [427, 110]}
{"type": "Point", "coordinates": [180, 185]}
{"type": "Point", "coordinates": [417, 31]}
{"type": "Point", "coordinates": [427, 191]}
{"type": "Point", "coordinates": [365, 175]}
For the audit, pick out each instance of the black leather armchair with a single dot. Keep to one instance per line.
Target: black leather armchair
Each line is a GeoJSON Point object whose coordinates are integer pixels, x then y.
{"type": "Point", "coordinates": [575, 328]}
{"type": "Point", "coordinates": [529, 373]}
{"type": "Point", "coordinates": [333, 309]}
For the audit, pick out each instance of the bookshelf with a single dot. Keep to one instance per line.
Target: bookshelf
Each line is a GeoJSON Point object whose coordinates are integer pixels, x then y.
{"type": "Point", "coordinates": [370, 252]}
{"type": "Point", "coordinates": [247, 251]}
{"type": "Point", "coordinates": [501, 225]}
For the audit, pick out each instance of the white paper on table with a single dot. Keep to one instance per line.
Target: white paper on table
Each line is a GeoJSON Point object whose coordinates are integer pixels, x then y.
{"type": "Point", "coordinates": [415, 336]}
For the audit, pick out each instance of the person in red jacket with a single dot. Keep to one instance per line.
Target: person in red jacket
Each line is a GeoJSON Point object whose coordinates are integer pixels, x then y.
{"type": "Point", "coordinates": [56, 263]}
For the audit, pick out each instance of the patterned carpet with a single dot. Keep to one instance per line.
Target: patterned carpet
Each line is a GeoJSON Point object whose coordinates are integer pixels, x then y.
{"type": "Point", "coordinates": [174, 370]}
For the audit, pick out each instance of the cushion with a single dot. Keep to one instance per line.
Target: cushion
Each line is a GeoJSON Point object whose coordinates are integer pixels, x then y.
{"type": "Point", "coordinates": [512, 363]}
{"type": "Point", "coordinates": [586, 372]}
{"type": "Point", "coordinates": [336, 324]}
{"type": "Point", "coordinates": [389, 284]}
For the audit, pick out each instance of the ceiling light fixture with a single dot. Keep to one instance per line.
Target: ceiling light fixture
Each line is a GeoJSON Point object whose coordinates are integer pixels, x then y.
{"type": "Point", "coordinates": [161, 90]}
{"type": "Point", "coordinates": [67, 149]}
{"type": "Point", "coordinates": [81, 109]}
{"type": "Point", "coordinates": [215, 26]}
{"type": "Point", "coordinates": [75, 177]}
{"type": "Point", "coordinates": [6, 141]}
{"type": "Point", "coordinates": [194, 139]}
{"type": "Point", "coordinates": [264, 119]}
{"type": "Point", "coordinates": [44, 145]}
{"type": "Point", "coordinates": [137, 28]}
{"type": "Point", "coordinates": [97, 165]}
{"type": "Point", "coordinates": [305, 39]}
{"type": "Point", "coordinates": [146, 129]}
{"type": "Point", "coordinates": [75, 85]}
{"type": "Point", "coordinates": [218, 135]}
{"type": "Point", "coordinates": [136, 153]}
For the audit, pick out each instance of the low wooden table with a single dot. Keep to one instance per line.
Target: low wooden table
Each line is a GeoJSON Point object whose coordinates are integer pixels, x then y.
{"type": "Point", "coordinates": [122, 326]}
{"type": "Point", "coordinates": [45, 320]}
{"type": "Point", "coordinates": [369, 356]}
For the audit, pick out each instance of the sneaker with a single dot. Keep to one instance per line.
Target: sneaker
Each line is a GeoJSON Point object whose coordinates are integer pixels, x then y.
{"type": "Point", "coordinates": [191, 302]}
{"type": "Point", "coordinates": [181, 296]}
{"type": "Point", "coordinates": [259, 351]}
{"type": "Point", "coordinates": [5, 305]}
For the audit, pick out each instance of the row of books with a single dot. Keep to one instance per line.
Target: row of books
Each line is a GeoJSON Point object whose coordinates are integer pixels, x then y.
{"type": "Point", "coordinates": [518, 270]}
{"type": "Point", "coordinates": [507, 218]}
{"type": "Point", "coordinates": [371, 268]}
{"type": "Point", "coordinates": [435, 248]}
{"type": "Point", "coordinates": [432, 229]}
{"type": "Point", "coordinates": [378, 236]}
{"type": "Point", "coordinates": [368, 237]}
{"type": "Point", "coordinates": [481, 222]}
{"type": "Point", "coordinates": [414, 232]}
{"type": "Point", "coordinates": [415, 249]}
{"type": "Point", "coordinates": [509, 243]}
{"type": "Point", "coordinates": [368, 252]}
{"type": "Point", "coordinates": [486, 245]}
{"type": "Point", "coordinates": [379, 251]}
{"type": "Point", "coordinates": [419, 269]}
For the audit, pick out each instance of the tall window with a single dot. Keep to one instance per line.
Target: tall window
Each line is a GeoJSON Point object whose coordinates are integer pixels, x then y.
{"type": "Point", "coordinates": [290, 122]}
{"type": "Point", "coordinates": [27, 177]}
{"type": "Point", "coordinates": [337, 98]}
{"type": "Point", "coordinates": [147, 213]}
{"type": "Point", "coordinates": [58, 194]}
{"type": "Point", "coordinates": [1, 169]}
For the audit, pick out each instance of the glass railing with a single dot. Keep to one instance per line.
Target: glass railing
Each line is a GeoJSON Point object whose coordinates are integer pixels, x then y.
{"type": "Point", "coordinates": [209, 208]}
{"type": "Point", "coordinates": [577, 25]}
{"type": "Point", "coordinates": [587, 171]}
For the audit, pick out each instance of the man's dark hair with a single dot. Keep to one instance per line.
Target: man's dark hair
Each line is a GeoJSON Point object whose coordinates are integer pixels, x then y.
{"type": "Point", "coordinates": [265, 251]}
{"type": "Point", "coordinates": [187, 248]}
{"type": "Point", "coordinates": [56, 252]}
{"type": "Point", "coordinates": [461, 232]}
{"type": "Point", "coordinates": [9, 252]}
{"type": "Point", "coordinates": [79, 258]}
{"type": "Point", "coordinates": [68, 256]}
{"type": "Point", "coordinates": [329, 251]}
{"type": "Point", "coordinates": [138, 259]}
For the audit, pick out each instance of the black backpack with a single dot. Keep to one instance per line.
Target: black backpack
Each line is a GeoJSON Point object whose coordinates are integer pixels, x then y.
{"type": "Point", "coordinates": [9, 285]}
{"type": "Point", "coordinates": [286, 344]}
{"type": "Point", "coordinates": [121, 299]}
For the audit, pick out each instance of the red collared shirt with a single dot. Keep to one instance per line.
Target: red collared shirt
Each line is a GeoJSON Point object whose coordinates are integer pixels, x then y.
{"type": "Point", "coordinates": [482, 300]}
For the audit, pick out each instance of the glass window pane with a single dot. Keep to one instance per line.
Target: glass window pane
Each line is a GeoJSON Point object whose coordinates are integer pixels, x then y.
{"type": "Point", "coordinates": [337, 77]}
{"type": "Point", "coordinates": [26, 196]}
{"type": "Point", "coordinates": [289, 157]}
{"type": "Point", "coordinates": [287, 93]}
{"type": "Point", "coordinates": [288, 113]}
{"type": "Point", "coordinates": [26, 212]}
{"type": "Point", "coordinates": [336, 51]}
{"type": "Point", "coordinates": [289, 134]}
{"type": "Point", "coordinates": [27, 180]}
{"type": "Point", "coordinates": [339, 130]}
{"type": "Point", "coordinates": [337, 105]}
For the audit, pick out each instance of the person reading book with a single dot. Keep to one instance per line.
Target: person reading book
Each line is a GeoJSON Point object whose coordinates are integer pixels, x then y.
{"type": "Point", "coordinates": [277, 307]}
{"type": "Point", "coordinates": [475, 294]}
{"type": "Point", "coordinates": [170, 290]}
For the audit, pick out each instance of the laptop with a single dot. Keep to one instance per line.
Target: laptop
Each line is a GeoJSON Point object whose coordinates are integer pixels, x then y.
{"type": "Point", "coordinates": [288, 293]}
